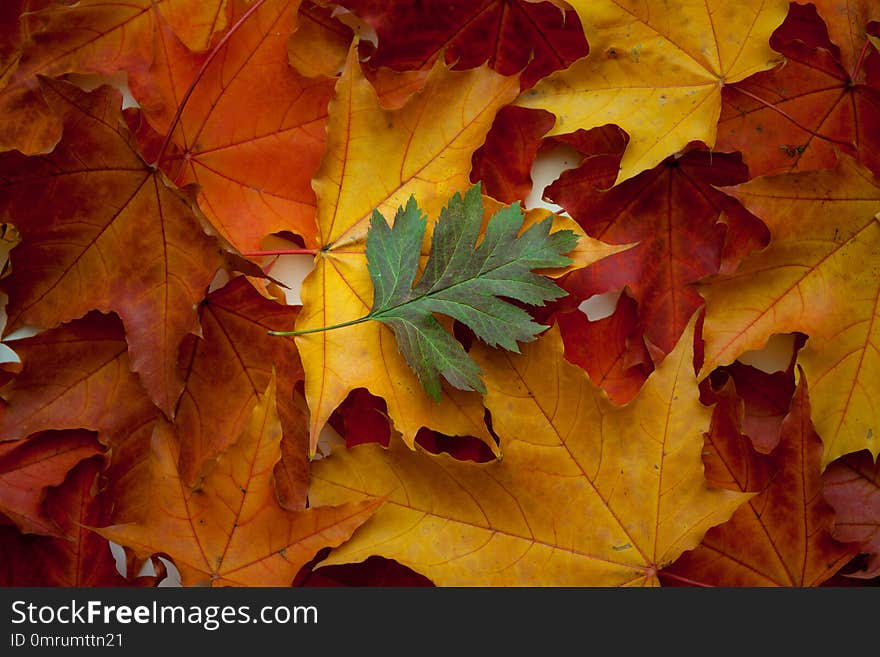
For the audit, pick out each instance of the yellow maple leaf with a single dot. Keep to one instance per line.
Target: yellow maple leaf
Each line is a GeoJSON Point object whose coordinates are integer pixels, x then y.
{"type": "Point", "coordinates": [820, 275]}
{"type": "Point", "coordinates": [377, 158]}
{"type": "Point", "coordinates": [656, 69]}
{"type": "Point", "coordinates": [587, 493]}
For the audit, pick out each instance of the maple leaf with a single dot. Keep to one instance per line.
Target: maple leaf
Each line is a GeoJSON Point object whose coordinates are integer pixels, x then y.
{"type": "Point", "coordinates": [512, 36]}
{"type": "Point", "coordinates": [28, 467]}
{"type": "Point", "coordinates": [231, 531]}
{"type": "Point", "coordinates": [674, 214]}
{"type": "Point", "coordinates": [587, 493]}
{"type": "Point", "coordinates": [658, 79]}
{"type": "Point", "coordinates": [611, 349]}
{"type": "Point", "coordinates": [228, 368]}
{"type": "Point", "coordinates": [133, 244]}
{"type": "Point", "coordinates": [729, 458]}
{"type": "Point", "coordinates": [94, 36]}
{"type": "Point", "coordinates": [320, 44]}
{"type": "Point", "coordinates": [424, 148]}
{"type": "Point", "coordinates": [818, 276]}
{"type": "Point", "coordinates": [462, 280]}
{"type": "Point", "coordinates": [847, 22]}
{"type": "Point", "coordinates": [252, 160]}
{"type": "Point", "coordinates": [798, 116]}
{"type": "Point", "coordinates": [503, 164]}
{"type": "Point", "coordinates": [79, 557]}
{"type": "Point", "coordinates": [79, 376]}
{"type": "Point", "coordinates": [782, 536]}
{"type": "Point", "coordinates": [851, 485]}
{"type": "Point", "coordinates": [765, 397]}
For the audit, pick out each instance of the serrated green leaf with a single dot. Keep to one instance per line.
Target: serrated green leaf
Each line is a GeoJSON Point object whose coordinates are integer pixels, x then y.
{"type": "Point", "coordinates": [463, 280]}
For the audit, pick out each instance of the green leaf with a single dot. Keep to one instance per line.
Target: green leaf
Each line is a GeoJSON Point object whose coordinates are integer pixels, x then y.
{"type": "Point", "coordinates": [463, 280]}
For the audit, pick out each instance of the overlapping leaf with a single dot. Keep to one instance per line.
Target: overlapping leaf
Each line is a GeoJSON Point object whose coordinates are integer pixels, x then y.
{"type": "Point", "coordinates": [320, 44]}
{"type": "Point", "coordinates": [251, 160]}
{"type": "Point", "coordinates": [195, 21]}
{"type": "Point", "coordinates": [29, 466]}
{"type": "Point", "coordinates": [674, 214]}
{"type": "Point", "coordinates": [377, 159]}
{"type": "Point", "coordinates": [93, 36]}
{"type": "Point", "coordinates": [782, 537]}
{"type": "Point", "coordinates": [102, 230]}
{"type": "Point", "coordinates": [79, 557]}
{"type": "Point", "coordinates": [231, 531]}
{"type": "Point", "coordinates": [851, 485]}
{"type": "Point", "coordinates": [818, 276]}
{"type": "Point", "coordinates": [798, 116]}
{"type": "Point", "coordinates": [463, 280]}
{"type": "Point", "coordinates": [847, 22]}
{"type": "Point", "coordinates": [503, 164]}
{"type": "Point", "coordinates": [657, 77]}
{"type": "Point", "coordinates": [228, 368]}
{"type": "Point", "coordinates": [586, 494]}
{"type": "Point", "coordinates": [78, 376]}
{"type": "Point", "coordinates": [611, 349]}
{"type": "Point", "coordinates": [511, 36]}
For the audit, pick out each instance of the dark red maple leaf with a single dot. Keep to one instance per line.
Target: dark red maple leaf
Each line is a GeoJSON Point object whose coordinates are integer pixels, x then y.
{"type": "Point", "coordinates": [611, 349]}
{"type": "Point", "coordinates": [797, 116]}
{"type": "Point", "coordinates": [511, 35]}
{"type": "Point", "coordinates": [78, 557]}
{"type": "Point", "coordinates": [28, 467]}
{"type": "Point", "coordinates": [675, 214]}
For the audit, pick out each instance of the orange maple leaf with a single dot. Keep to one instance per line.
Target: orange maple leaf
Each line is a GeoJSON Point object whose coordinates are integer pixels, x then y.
{"type": "Point", "coordinates": [231, 531]}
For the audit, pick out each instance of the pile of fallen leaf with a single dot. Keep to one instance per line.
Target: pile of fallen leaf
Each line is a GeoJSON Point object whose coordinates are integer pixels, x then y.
{"type": "Point", "coordinates": [725, 187]}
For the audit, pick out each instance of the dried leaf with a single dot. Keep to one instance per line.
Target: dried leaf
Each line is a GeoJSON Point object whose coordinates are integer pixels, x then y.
{"type": "Point", "coordinates": [29, 466]}
{"type": "Point", "coordinates": [231, 531]}
{"type": "Point", "coordinates": [133, 244]}
{"type": "Point", "coordinates": [658, 79]}
{"type": "Point", "coordinates": [818, 276]}
{"type": "Point", "coordinates": [782, 537]}
{"type": "Point", "coordinates": [851, 485]}
{"type": "Point", "coordinates": [586, 494]}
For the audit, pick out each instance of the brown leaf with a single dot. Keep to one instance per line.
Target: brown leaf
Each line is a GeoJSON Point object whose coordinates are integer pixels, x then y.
{"type": "Point", "coordinates": [78, 557]}
{"type": "Point", "coordinates": [93, 36]}
{"type": "Point", "coordinates": [851, 484]}
{"type": "Point", "coordinates": [78, 376]}
{"type": "Point", "coordinates": [782, 537]}
{"type": "Point", "coordinates": [29, 466]}
{"type": "Point", "coordinates": [132, 245]}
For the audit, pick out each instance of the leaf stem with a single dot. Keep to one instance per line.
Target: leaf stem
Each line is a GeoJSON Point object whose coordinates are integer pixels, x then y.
{"type": "Point", "coordinates": [277, 252]}
{"type": "Point", "coordinates": [861, 60]}
{"type": "Point", "coordinates": [321, 329]}
{"type": "Point", "coordinates": [198, 76]}
{"type": "Point", "coordinates": [788, 116]}
{"type": "Point", "coordinates": [687, 580]}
